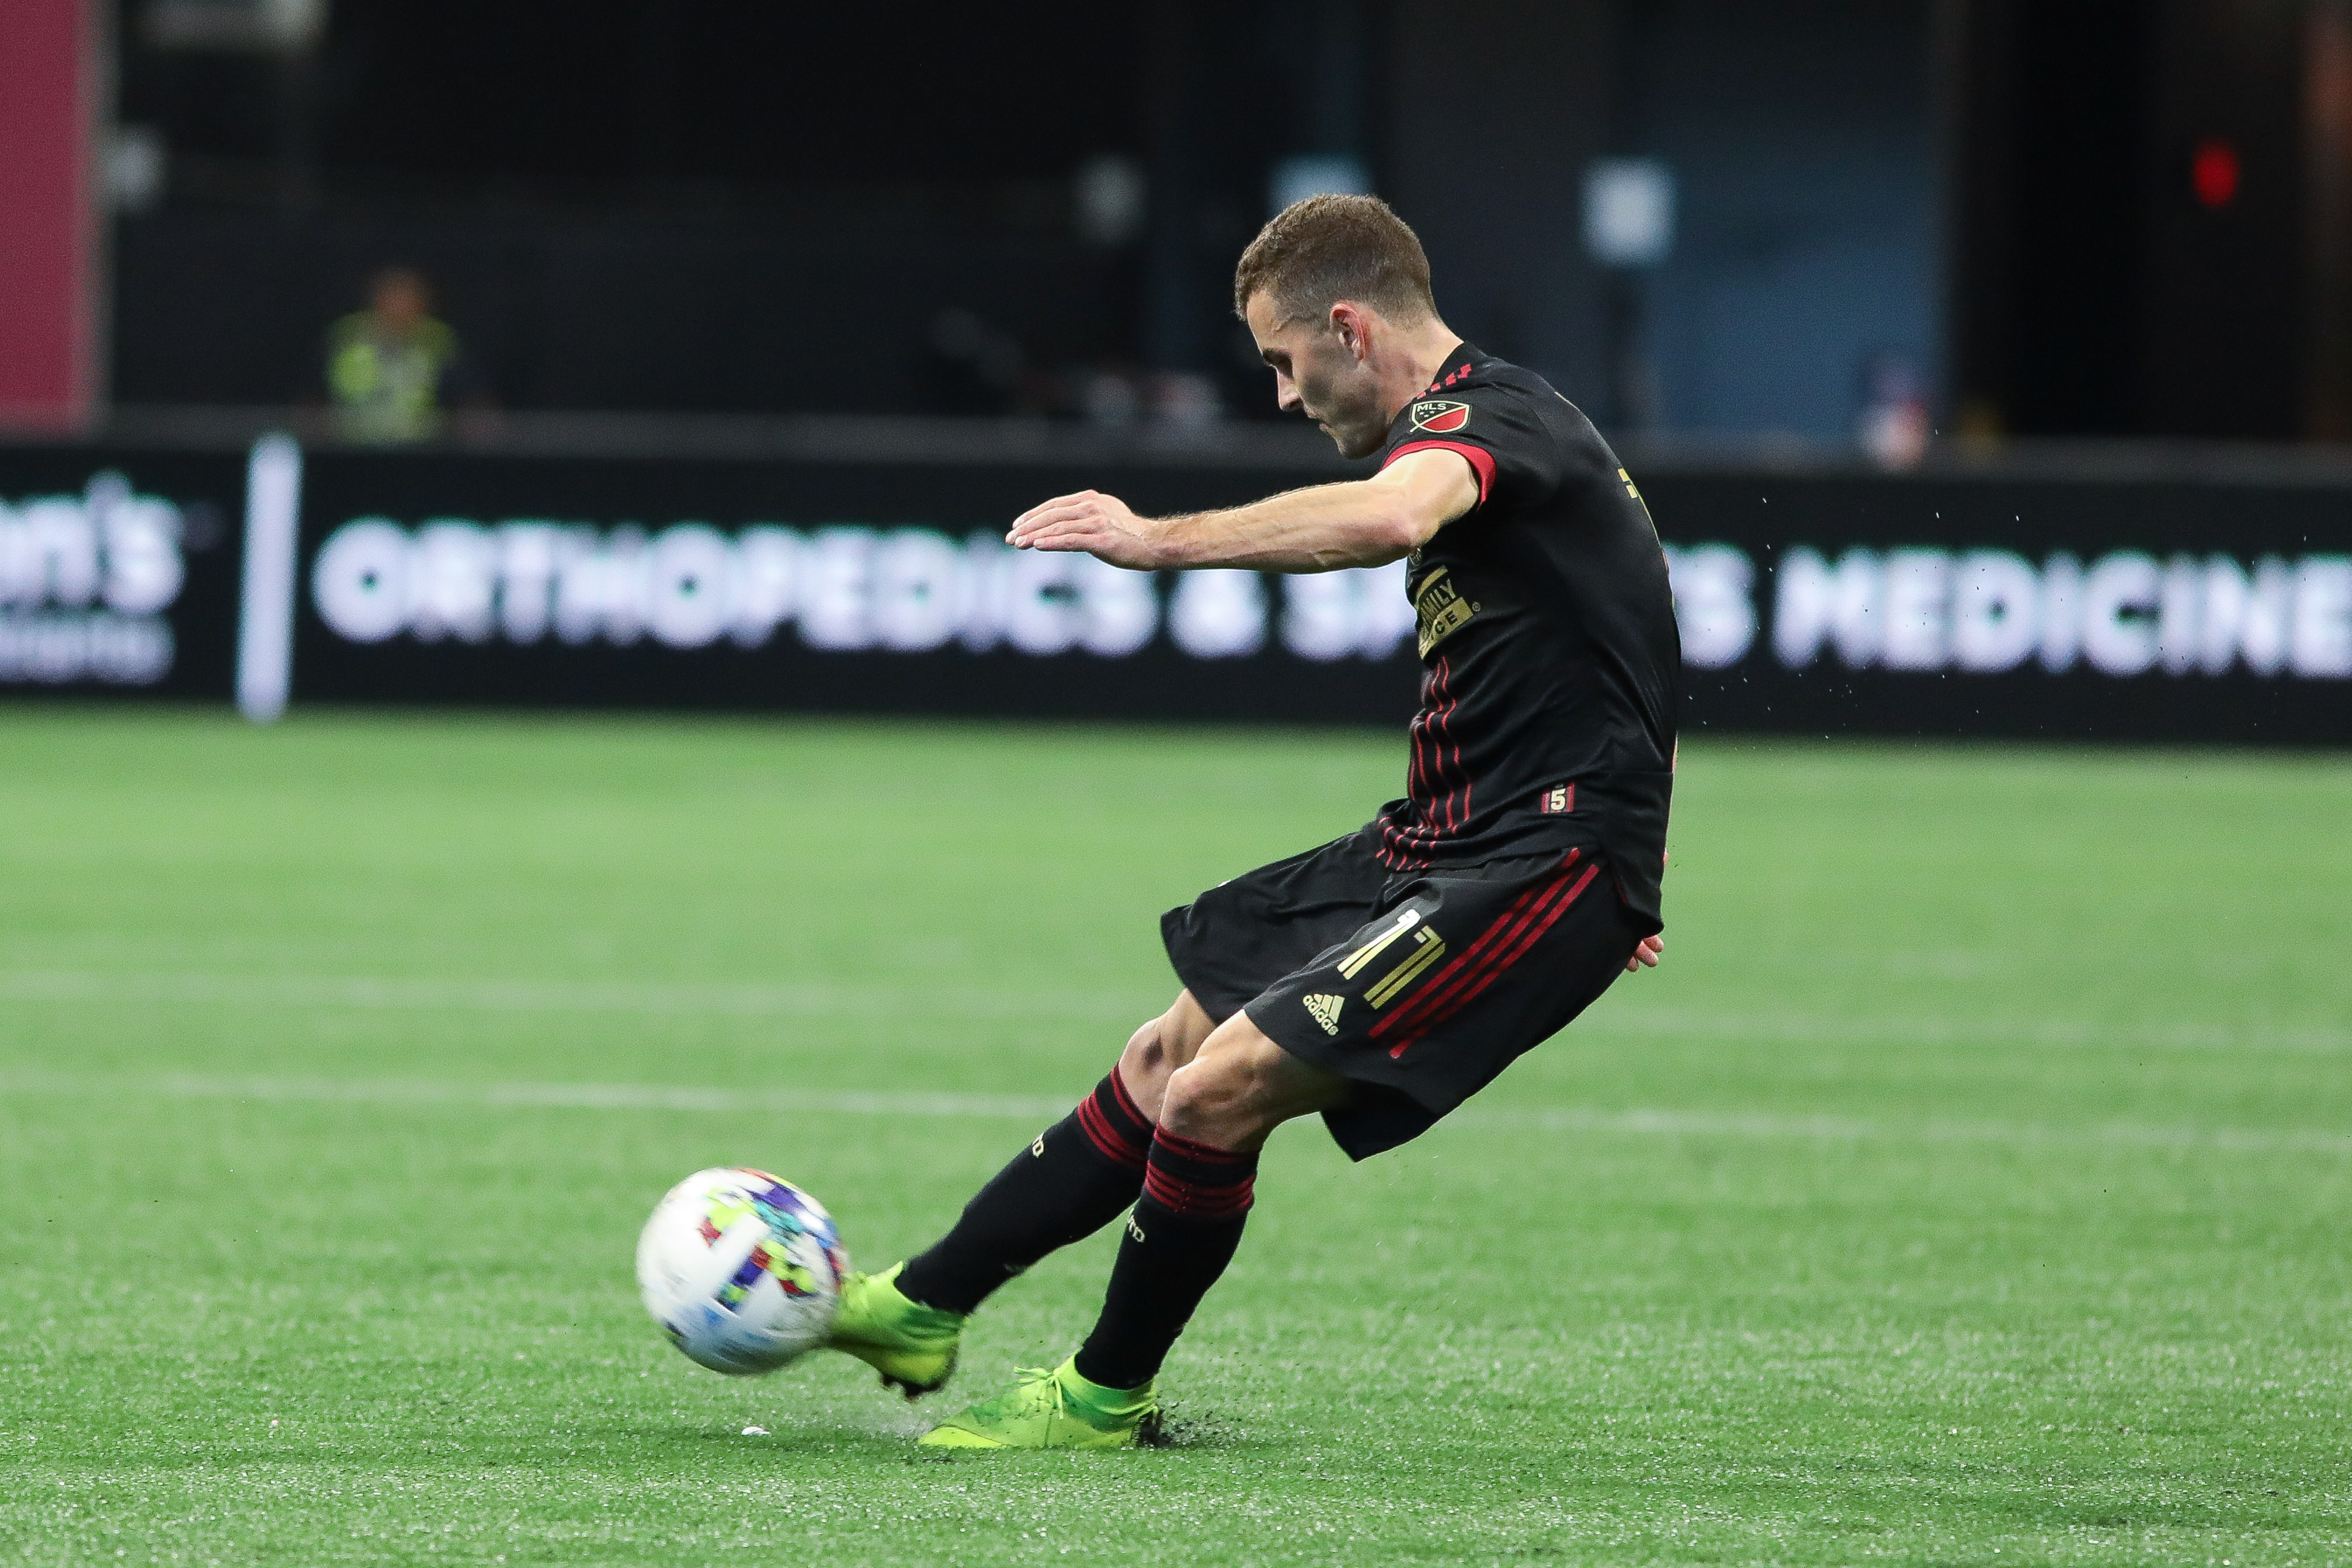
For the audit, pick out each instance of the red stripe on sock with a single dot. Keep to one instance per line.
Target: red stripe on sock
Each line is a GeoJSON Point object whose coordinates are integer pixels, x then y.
{"type": "Point", "coordinates": [1198, 1200]}
{"type": "Point", "coordinates": [1127, 1102]}
{"type": "Point", "coordinates": [1178, 1143]}
{"type": "Point", "coordinates": [1108, 1139]}
{"type": "Point", "coordinates": [1219, 1196]}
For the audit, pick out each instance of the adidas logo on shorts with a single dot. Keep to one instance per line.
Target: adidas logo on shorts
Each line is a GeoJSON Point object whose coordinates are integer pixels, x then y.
{"type": "Point", "coordinates": [1327, 1011]}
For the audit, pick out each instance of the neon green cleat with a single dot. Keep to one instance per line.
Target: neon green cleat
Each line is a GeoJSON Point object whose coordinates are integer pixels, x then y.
{"type": "Point", "coordinates": [1056, 1409]}
{"type": "Point", "coordinates": [912, 1347]}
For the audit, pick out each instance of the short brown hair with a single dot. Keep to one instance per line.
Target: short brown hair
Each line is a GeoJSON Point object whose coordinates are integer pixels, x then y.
{"type": "Point", "coordinates": [1328, 248]}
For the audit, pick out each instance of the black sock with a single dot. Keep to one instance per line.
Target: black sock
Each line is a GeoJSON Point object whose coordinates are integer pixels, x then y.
{"type": "Point", "coordinates": [1069, 1183]}
{"type": "Point", "coordinates": [1185, 1227]}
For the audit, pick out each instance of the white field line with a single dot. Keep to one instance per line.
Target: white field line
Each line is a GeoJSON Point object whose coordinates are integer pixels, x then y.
{"type": "Point", "coordinates": [1036, 1109]}
{"type": "Point", "coordinates": [816, 999]}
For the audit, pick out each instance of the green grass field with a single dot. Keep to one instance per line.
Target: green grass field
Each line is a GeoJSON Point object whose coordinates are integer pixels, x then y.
{"type": "Point", "coordinates": [1970, 1186]}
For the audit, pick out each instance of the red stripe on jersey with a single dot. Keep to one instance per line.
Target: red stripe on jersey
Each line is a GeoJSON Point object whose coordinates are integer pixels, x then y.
{"type": "Point", "coordinates": [1481, 461]}
{"type": "Point", "coordinates": [1463, 814]}
{"type": "Point", "coordinates": [1436, 783]}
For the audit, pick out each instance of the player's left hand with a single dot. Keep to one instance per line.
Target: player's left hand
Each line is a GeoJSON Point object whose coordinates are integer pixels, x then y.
{"type": "Point", "coordinates": [1100, 524]}
{"type": "Point", "coordinates": [1646, 956]}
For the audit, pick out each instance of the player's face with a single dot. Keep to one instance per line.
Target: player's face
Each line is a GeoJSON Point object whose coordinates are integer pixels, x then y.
{"type": "Point", "coordinates": [1323, 373]}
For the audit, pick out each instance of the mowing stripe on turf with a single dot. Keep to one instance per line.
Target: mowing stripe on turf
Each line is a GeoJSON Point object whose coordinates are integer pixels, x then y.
{"type": "Point", "coordinates": [1924, 1029]}
{"type": "Point", "coordinates": [810, 998]}
{"type": "Point", "coordinates": [1031, 1108]}
{"type": "Point", "coordinates": [722, 998]}
{"type": "Point", "coordinates": [546, 1096]}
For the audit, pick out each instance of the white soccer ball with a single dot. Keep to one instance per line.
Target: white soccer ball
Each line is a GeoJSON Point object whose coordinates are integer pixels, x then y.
{"type": "Point", "coordinates": [743, 1270]}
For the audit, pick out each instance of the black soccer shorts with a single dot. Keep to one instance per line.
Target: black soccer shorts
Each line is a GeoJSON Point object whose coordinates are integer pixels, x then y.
{"type": "Point", "coordinates": [1418, 987]}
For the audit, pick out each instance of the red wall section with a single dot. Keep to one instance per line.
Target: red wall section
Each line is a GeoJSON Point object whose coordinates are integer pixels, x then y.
{"type": "Point", "coordinates": [49, 69]}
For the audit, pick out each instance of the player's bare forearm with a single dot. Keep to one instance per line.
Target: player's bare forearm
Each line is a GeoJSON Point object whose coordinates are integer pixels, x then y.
{"type": "Point", "coordinates": [1364, 522]}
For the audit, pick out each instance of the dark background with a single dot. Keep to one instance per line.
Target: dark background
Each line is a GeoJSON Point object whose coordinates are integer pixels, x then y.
{"type": "Point", "coordinates": [722, 207]}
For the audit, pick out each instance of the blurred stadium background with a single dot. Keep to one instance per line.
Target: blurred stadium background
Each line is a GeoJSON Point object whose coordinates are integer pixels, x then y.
{"type": "Point", "coordinates": [1969, 1185]}
{"type": "Point", "coordinates": [1986, 363]}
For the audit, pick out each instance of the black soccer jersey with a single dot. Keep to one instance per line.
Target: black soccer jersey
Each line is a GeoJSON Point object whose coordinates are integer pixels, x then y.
{"type": "Point", "coordinates": [1546, 633]}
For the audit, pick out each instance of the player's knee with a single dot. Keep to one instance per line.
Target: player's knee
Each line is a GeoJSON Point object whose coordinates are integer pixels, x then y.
{"type": "Point", "coordinates": [1147, 1061]}
{"type": "Point", "coordinates": [1213, 1101]}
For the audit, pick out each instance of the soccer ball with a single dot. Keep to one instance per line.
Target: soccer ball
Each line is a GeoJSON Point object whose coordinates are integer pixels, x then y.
{"type": "Point", "coordinates": [741, 1269]}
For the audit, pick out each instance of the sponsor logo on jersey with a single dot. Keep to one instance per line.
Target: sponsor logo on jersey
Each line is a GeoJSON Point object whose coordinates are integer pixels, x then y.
{"type": "Point", "coordinates": [1637, 496]}
{"type": "Point", "coordinates": [1439, 611]}
{"type": "Point", "coordinates": [1440, 416]}
{"type": "Point", "coordinates": [1557, 800]}
{"type": "Point", "coordinates": [1327, 1011]}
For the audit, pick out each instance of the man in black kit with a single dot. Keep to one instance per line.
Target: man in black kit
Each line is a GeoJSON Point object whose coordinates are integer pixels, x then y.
{"type": "Point", "coordinates": [1389, 975]}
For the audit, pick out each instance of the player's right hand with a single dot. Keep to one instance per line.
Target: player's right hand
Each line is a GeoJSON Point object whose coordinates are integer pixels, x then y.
{"type": "Point", "coordinates": [1646, 956]}
{"type": "Point", "coordinates": [1102, 526]}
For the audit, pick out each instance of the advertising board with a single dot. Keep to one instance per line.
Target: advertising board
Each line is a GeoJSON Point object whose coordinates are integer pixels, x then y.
{"type": "Point", "coordinates": [118, 571]}
{"type": "Point", "coordinates": [2140, 610]}
{"type": "Point", "coordinates": [1815, 603]}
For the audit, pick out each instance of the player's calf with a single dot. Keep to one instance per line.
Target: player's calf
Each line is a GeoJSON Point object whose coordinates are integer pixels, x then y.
{"type": "Point", "coordinates": [1072, 1180]}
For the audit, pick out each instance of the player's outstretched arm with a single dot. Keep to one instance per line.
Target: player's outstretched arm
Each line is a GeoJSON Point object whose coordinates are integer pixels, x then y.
{"type": "Point", "coordinates": [1362, 522]}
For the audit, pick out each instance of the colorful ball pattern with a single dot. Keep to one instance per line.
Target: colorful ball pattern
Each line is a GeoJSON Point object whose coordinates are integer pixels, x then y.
{"type": "Point", "coordinates": [743, 1270]}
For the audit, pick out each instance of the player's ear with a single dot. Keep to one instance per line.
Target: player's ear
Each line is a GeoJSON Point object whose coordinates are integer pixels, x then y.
{"type": "Point", "coordinates": [1348, 326]}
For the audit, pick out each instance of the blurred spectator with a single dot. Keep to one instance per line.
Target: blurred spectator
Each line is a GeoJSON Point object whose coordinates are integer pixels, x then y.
{"type": "Point", "coordinates": [1185, 402]}
{"type": "Point", "coordinates": [392, 369]}
{"type": "Point", "coordinates": [1108, 397]}
{"type": "Point", "coordinates": [1894, 425]}
{"type": "Point", "coordinates": [971, 366]}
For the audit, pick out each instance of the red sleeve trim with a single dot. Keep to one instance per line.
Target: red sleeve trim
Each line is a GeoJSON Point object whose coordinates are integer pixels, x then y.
{"type": "Point", "coordinates": [1481, 461]}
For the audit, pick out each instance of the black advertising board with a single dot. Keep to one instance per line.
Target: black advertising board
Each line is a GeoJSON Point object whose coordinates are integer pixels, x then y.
{"type": "Point", "coordinates": [1822, 603]}
{"type": "Point", "coordinates": [2168, 610]}
{"type": "Point", "coordinates": [807, 587]}
{"type": "Point", "coordinates": [118, 571]}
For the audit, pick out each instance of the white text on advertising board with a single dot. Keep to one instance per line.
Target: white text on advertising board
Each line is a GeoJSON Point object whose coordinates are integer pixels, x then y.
{"type": "Point", "coordinates": [839, 590]}
{"type": "Point", "coordinates": [84, 582]}
{"type": "Point", "coordinates": [2123, 613]}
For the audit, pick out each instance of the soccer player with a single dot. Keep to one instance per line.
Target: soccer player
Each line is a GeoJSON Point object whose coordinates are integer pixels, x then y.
{"type": "Point", "coordinates": [1389, 975]}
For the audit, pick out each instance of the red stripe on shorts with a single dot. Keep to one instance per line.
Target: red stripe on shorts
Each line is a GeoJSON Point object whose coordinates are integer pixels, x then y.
{"type": "Point", "coordinates": [1468, 988]}
{"type": "Point", "coordinates": [1514, 916]}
